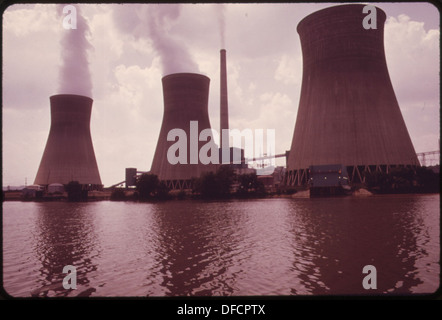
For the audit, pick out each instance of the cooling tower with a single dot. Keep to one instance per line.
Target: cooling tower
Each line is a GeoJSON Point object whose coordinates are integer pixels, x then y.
{"type": "Point", "coordinates": [348, 113]}
{"type": "Point", "coordinates": [186, 97]}
{"type": "Point", "coordinates": [69, 153]}
{"type": "Point", "coordinates": [224, 108]}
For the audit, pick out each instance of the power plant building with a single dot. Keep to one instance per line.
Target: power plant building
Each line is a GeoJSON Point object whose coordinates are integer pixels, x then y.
{"type": "Point", "coordinates": [186, 98]}
{"type": "Point", "coordinates": [69, 152]}
{"type": "Point", "coordinates": [348, 113]}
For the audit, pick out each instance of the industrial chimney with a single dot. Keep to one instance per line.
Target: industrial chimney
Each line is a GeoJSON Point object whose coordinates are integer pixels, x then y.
{"type": "Point", "coordinates": [224, 108]}
{"type": "Point", "coordinates": [348, 113]}
{"type": "Point", "coordinates": [186, 97]}
{"type": "Point", "coordinates": [69, 153]}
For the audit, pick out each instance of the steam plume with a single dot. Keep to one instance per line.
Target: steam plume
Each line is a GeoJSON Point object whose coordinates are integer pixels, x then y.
{"type": "Point", "coordinates": [74, 74]}
{"type": "Point", "coordinates": [154, 22]}
{"type": "Point", "coordinates": [174, 56]}
{"type": "Point", "coordinates": [220, 11]}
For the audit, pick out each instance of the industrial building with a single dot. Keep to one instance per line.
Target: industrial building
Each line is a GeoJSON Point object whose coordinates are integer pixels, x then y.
{"type": "Point", "coordinates": [69, 152]}
{"type": "Point", "coordinates": [328, 180]}
{"type": "Point", "coordinates": [348, 113]}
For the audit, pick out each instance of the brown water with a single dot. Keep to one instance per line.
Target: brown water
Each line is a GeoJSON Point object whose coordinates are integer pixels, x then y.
{"type": "Point", "coordinates": [227, 248]}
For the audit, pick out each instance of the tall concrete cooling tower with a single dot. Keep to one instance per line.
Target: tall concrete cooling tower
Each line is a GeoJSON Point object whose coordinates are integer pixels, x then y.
{"type": "Point", "coordinates": [69, 153]}
{"type": "Point", "coordinates": [348, 113]}
{"type": "Point", "coordinates": [186, 97]}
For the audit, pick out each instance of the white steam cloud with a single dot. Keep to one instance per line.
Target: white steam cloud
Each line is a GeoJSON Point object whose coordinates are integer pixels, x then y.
{"type": "Point", "coordinates": [154, 21]}
{"type": "Point", "coordinates": [74, 74]}
{"type": "Point", "coordinates": [174, 56]}
{"type": "Point", "coordinates": [220, 12]}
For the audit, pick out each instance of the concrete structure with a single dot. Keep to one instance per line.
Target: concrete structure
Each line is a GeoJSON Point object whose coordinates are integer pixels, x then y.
{"type": "Point", "coordinates": [32, 191]}
{"type": "Point", "coordinates": [69, 152]}
{"type": "Point", "coordinates": [348, 113]}
{"type": "Point", "coordinates": [55, 188]}
{"type": "Point", "coordinates": [186, 98]}
{"type": "Point", "coordinates": [224, 108]}
{"type": "Point", "coordinates": [131, 177]}
{"type": "Point", "coordinates": [326, 180]}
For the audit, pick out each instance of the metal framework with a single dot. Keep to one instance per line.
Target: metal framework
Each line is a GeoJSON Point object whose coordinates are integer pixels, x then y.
{"type": "Point", "coordinates": [356, 174]}
{"type": "Point", "coordinates": [178, 184]}
{"type": "Point", "coordinates": [423, 157]}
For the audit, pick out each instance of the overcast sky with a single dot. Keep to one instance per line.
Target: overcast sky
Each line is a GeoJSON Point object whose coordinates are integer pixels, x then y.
{"type": "Point", "coordinates": [126, 46]}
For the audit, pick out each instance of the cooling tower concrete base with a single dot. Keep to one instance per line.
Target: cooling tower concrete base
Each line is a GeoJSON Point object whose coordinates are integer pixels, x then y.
{"type": "Point", "coordinates": [69, 153]}
{"type": "Point", "coordinates": [348, 113]}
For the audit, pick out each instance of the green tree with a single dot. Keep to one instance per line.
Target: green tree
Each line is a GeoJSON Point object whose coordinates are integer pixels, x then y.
{"type": "Point", "coordinates": [146, 185]}
{"type": "Point", "coordinates": [249, 184]}
{"type": "Point", "coordinates": [403, 180]}
{"type": "Point", "coordinates": [214, 185]}
{"type": "Point", "coordinates": [118, 194]}
{"type": "Point", "coordinates": [162, 191]}
{"type": "Point", "coordinates": [208, 187]}
{"type": "Point", "coordinates": [150, 187]}
{"type": "Point", "coordinates": [428, 180]}
{"type": "Point", "coordinates": [76, 192]}
{"type": "Point", "coordinates": [225, 176]}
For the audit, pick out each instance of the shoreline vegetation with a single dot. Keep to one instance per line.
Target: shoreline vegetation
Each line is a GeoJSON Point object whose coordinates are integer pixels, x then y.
{"type": "Point", "coordinates": [225, 185]}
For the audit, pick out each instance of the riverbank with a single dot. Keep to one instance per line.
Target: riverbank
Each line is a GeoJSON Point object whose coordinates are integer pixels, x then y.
{"type": "Point", "coordinates": [130, 195]}
{"type": "Point", "coordinates": [92, 196]}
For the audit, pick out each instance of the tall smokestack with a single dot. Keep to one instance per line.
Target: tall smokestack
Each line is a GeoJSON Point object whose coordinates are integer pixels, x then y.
{"type": "Point", "coordinates": [186, 98]}
{"type": "Point", "coordinates": [348, 113]}
{"type": "Point", "coordinates": [69, 153]}
{"type": "Point", "coordinates": [224, 108]}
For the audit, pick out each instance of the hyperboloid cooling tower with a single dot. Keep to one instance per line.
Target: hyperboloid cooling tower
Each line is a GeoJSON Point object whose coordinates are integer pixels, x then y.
{"type": "Point", "coordinates": [186, 97]}
{"type": "Point", "coordinates": [69, 153]}
{"type": "Point", "coordinates": [348, 113]}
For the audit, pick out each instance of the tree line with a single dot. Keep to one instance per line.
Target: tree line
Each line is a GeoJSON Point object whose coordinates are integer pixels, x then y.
{"type": "Point", "coordinates": [222, 184]}
{"type": "Point", "coordinates": [403, 180]}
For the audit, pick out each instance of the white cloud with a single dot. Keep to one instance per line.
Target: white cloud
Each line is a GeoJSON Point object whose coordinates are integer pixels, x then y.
{"type": "Point", "coordinates": [413, 61]}
{"type": "Point", "coordinates": [127, 121]}
{"type": "Point", "coordinates": [23, 143]}
{"type": "Point", "coordinates": [22, 20]}
{"type": "Point", "coordinates": [413, 58]}
{"type": "Point", "coordinates": [289, 70]}
{"type": "Point", "coordinates": [30, 56]}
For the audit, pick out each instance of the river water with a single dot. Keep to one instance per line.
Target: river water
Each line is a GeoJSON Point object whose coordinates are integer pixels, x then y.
{"type": "Point", "coordinates": [268, 247]}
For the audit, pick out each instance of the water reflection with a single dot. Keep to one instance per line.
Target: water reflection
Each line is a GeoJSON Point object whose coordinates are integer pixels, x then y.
{"type": "Point", "coordinates": [226, 248]}
{"type": "Point", "coordinates": [333, 239]}
{"type": "Point", "coordinates": [199, 249]}
{"type": "Point", "coordinates": [64, 237]}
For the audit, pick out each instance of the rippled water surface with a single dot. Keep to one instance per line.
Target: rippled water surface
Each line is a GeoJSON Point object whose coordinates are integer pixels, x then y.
{"type": "Point", "coordinates": [227, 248]}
